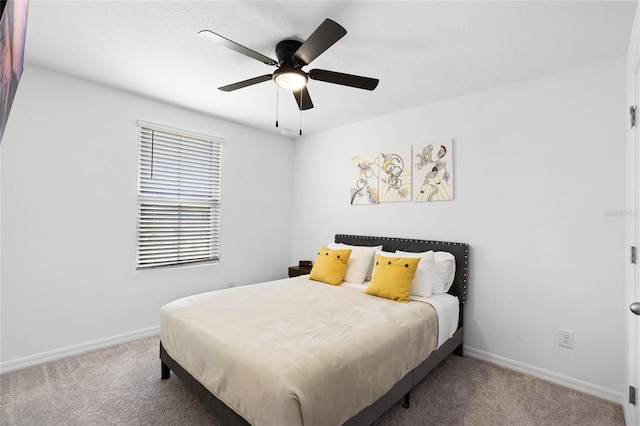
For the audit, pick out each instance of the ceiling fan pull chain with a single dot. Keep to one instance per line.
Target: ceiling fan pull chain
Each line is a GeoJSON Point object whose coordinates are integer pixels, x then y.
{"type": "Point", "coordinates": [277, 103]}
{"type": "Point", "coordinates": [301, 112]}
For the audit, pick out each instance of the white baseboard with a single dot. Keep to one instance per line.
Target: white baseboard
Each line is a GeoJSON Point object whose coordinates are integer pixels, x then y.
{"type": "Point", "coordinates": [570, 382]}
{"type": "Point", "coordinates": [16, 364]}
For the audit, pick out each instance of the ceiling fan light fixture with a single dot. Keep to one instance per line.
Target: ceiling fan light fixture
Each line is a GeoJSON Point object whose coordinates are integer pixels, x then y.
{"type": "Point", "coordinates": [291, 79]}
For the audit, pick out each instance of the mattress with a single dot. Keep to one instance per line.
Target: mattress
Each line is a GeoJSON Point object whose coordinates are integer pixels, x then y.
{"type": "Point", "coordinates": [296, 351]}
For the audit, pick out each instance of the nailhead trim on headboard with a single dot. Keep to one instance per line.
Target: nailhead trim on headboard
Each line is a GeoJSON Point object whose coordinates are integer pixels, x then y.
{"type": "Point", "coordinates": [459, 250]}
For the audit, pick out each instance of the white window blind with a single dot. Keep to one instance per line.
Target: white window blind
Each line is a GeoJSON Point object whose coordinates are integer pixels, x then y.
{"type": "Point", "coordinates": [178, 197]}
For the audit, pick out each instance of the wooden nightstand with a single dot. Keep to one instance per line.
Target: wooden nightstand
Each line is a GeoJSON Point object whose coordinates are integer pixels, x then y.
{"type": "Point", "coordinates": [295, 271]}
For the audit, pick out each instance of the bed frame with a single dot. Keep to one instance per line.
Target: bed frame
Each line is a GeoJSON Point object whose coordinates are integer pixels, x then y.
{"type": "Point", "coordinates": [400, 390]}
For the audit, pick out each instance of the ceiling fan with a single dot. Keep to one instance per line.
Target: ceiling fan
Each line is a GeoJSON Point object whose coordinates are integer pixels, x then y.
{"type": "Point", "coordinates": [292, 56]}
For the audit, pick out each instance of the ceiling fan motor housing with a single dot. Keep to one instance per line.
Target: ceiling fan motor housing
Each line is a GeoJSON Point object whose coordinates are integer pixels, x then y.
{"type": "Point", "coordinates": [285, 50]}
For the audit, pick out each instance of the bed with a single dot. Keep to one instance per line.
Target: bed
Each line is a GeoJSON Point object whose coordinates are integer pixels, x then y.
{"type": "Point", "coordinates": [343, 362]}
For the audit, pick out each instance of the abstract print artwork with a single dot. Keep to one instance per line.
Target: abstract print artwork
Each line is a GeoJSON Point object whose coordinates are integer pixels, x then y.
{"type": "Point", "coordinates": [13, 31]}
{"type": "Point", "coordinates": [433, 171]}
{"type": "Point", "coordinates": [364, 179]}
{"type": "Point", "coordinates": [395, 175]}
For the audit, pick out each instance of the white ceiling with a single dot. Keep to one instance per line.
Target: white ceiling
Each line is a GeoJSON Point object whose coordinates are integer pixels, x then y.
{"type": "Point", "coordinates": [422, 51]}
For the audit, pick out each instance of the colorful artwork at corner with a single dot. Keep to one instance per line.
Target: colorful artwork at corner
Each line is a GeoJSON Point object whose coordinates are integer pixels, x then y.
{"type": "Point", "coordinates": [433, 171]}
{"type": "Point", "coordinates": [13, 28]}
{"type": "Point", "coordinates": [364, 179]}
{"type": "Point", "coordinates": [395, 176]}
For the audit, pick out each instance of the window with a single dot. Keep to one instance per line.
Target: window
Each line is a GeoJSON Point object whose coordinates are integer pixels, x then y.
{"type": "Point", "coordinates": [178, 197]}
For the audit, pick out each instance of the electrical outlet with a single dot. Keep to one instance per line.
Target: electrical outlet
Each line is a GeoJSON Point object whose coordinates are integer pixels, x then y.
{"type": "Point", "coordinates": [565, 338]}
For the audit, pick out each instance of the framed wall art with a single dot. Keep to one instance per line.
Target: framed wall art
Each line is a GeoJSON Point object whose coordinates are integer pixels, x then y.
{"type": "Point", "coordinates": [364, 179]}
{"type": "Point", "coordinates": [422, 172]}
{"type": "Point", "coordinates": [395, 175]}
{"type": "Point", "coordinates": [433, 171]}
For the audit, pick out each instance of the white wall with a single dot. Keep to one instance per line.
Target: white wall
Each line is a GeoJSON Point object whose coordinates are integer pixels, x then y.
{"type": "Point", "coordinates": [539, 184]}
{"type": "Point", "coordinates": [69, 177]}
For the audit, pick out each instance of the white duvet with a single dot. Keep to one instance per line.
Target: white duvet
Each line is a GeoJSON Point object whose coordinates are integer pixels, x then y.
{"type": "Point", "coordinates": [296, 351]}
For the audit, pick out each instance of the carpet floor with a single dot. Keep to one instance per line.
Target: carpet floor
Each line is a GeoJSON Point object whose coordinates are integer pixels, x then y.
{"type": "Point", "coordinates": [121, 385]}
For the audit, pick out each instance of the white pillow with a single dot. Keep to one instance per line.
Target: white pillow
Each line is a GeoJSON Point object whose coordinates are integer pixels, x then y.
{"type": "Point", "coordinates": [424, 279]}
{"type": "Point", "coordinates": [446, 262]}
{"type": "Point", "coordinates": [360, 264]}
{"type": "Point", "coordinates": [444, 270]}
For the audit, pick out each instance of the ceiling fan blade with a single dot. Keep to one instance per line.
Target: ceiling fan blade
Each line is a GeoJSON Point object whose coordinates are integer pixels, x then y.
{"type": "Point", "coordinates": [322, 38]}
{"type": "Point", "coordinates": [344, 79]}
{"type": "Point", "coordinates": [245, 83]}
{"type": "Point", "coordinates": [210, 35]}
{"type": "Point", "coordinates": [303, 99]}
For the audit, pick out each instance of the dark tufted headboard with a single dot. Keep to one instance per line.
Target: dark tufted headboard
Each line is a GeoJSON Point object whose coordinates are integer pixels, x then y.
{"type": "Point", "coordinates": [459, 250]}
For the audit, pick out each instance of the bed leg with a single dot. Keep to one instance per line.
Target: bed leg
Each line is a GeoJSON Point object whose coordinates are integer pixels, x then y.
{"type": "Point", "coordinates": [458, 351]}
{"type": "Point", "coordinates": [407, 400]}
{"type": "Point", "coordinates": [165, 371]}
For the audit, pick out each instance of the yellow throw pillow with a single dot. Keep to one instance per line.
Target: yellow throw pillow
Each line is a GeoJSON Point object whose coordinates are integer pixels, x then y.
{"type": "Point", "coordinates": [330, 266]}
{"type": "Point", "coordinates": [392, 277]}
